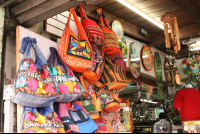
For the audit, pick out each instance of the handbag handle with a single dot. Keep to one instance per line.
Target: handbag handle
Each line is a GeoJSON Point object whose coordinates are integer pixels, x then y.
{"type": "Point", "coordinates": [102, 20]}
{"type": "Point", "coordinates": [83, 15]}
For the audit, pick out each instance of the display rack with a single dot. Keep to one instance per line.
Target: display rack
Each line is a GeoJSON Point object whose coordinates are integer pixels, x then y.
{"type": "Point", "coordinates": [43, 43]}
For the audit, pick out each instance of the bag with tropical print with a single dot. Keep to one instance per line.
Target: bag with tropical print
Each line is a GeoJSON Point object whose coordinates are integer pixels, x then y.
{"type": "Point", "coordinates": [41, 120]}
{"type": "Point", "coordinates": [34, 84]}
{"type": "Point", "coordinates": [70, 89]}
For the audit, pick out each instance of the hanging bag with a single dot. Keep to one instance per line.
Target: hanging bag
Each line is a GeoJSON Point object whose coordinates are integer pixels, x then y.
{"type": "Point", "coordinates": [33, 88]}
{"type": "Point", "coordinates": [110, 44]}
{"type": "Point", "coordinates": [41, 120]}
{"type": "Point", "coordinates": [113, 76]}
{"type": "Point", "coordinates": [70, 89]}
{"type": "Point", "coordinates": [93, 74]}
{"type": "Point", "coordinates": [75, 52]}
{"type": "Point", "coordinates": [93, 31]}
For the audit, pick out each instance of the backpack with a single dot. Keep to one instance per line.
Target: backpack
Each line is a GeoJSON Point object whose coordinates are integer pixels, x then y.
{"type": "Point", "coordinates": [93, 31]}
{"type": "Point", "coordinates": [110, 43]}
{"type": "Point", "coordinates": [92, 75]}
{"type": "Point", "coordinates": [109, 100]}
{"type": "Point", "coordinates": [113, 76]}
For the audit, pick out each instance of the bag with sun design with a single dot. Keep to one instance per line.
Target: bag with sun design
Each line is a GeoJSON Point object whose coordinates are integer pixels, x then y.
{"type": "Point", "coordinates": [41, 120]}
{"type": "Point", "coordinates": [75, 52]}
{"type": "Point", "coordinates": [70, 89]}
{"type": "Point", "coordinates": [34, 84]}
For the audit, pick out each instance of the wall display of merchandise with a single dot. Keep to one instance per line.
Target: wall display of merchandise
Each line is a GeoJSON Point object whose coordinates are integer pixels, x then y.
{"type": "Point", "coordinates": [191, 126]}
{"type": "Point", "coordinates": [158, 67]}
{"type": "Point", "coordinates": [118, 29]}
{"type": "Point", "coordinates": [147, 58]}
{"type": "Point", "coordinates": [134, 59]}
{"type": "Point", "coordinates": [78, 105]}
{"type": "Point", "coordinates": [172, 114]}
{"type": "Point", "coordinates": [124, 47]}
{"type": "Point", "coordinates": [190, 66]}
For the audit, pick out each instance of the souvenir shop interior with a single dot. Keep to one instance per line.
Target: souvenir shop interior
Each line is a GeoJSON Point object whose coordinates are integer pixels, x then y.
{"type": "Point", "coordinates": [100, 66]}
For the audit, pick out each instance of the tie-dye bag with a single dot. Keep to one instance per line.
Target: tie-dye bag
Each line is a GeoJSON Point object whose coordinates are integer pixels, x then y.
{"type": "Point", "coordinates": [34, 85]}
{"type": "Point", "coordinates": [41, 120]}
{"type": "Point", "coordinates": [70, 89]}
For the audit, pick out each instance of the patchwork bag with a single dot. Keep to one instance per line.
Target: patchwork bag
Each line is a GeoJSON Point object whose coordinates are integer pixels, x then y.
{"type": "Point", "coordinates": [93, 31]}
{"type": "Point", "coordinates": [41, 120]}
{"type": "Point", "coordinates": [77, 54]}
{"type": "Point", "coordinates": [33, 88]}
{"type": "Point", "coordinates": [70, 89]}
{"type": "Point", "coordinates": [110, 44]}
{"type": "Point", "coordinates": [110, 102]}
{"type": "Point", "coordinates": [113, 76]}
{"type": "Point", "coordinates": [102, 127]}
{"type": "Point", "coordinates": [93, 74]}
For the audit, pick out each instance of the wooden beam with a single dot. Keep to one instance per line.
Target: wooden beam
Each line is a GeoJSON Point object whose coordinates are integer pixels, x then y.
{"type": "Point", "coordinates": [6, 3]}
{"type": "Point", "coordinates": [129, 28]}
{"type": "Point", "coordinates": [28, 14]}
{"type": "Point", "coordinates": [189, 9]}
{"type": "Point", "coordinates": [186, 32]}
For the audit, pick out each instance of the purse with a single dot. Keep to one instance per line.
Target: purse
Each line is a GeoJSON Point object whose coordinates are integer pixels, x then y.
{"type": "Point", "coordinates": [93, 74]}
{"type": "Point", "coordinates": [70, 89]}
{"type": "Point", "coordinates": [33, 88]}
{"type": "Point", "coordinates": [77, 54]}
{"type": "Point", "coordinates": [102, 127]}
{"type": "Point", "coordinates": [93, 31]}
{"type": "Point", "coordinates": [113, 76]}
{"type": "Point", "coordinates": [110, 44]}
{"type": "Point", "coordinates": [41, 120]}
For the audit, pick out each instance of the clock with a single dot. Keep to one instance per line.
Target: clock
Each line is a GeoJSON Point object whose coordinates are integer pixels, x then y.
{"type": "Point", "coordinates": [118, 29]}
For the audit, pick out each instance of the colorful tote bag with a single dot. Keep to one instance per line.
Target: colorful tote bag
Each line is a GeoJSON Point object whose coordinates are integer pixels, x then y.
{"type": "Point", "coordinates": [110, 43]}
{"type": "Point", "coordinates": [75, 52]}
{"type": "Point", "coordinates": [102, 128]}
{"type": "Point", "coordinates": [109, 100]}
{"type": "Point", "coordinates": [33, 88]}
{"type": "Point", "coordinates": [93, 31]}
{"type": "Point", "coordinates": [113, 76]}
{"type": "Point", "coordinates": [93, 74]}
{"type": "Point", "coordinates": [70, 89]}
{"type": "Point", "coordinates": [41, 120]}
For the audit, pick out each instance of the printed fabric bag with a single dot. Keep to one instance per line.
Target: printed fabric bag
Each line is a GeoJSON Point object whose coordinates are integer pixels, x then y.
{"type": "Point", "coordinates": [113, 76]}
{"type": "Point", "coordinates": [109, 100]}
{"type": "Point", "coordinates": [110, 44]}
{"type": "Point", "coordinates": [70, 89]}
{"type": "Point", "coordinates": [109, 120]}
{"type": "Point", "coordinates": [92, 75]}
{"type": "Point", "coordinates": [33, 88]}
{"type": "Point", "coordinates": [41, 120]}
{"type": "Point", "coordinates": [118, 60]}
{"type": "Point", "coordinates": [75, 52]}
{"type": "Point", "coordinates": [102, 127]}
{"type": "Point", "coordinates": [93, 31]}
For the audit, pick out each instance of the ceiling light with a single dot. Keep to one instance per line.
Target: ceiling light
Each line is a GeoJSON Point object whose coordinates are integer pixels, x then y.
{"type": "Point", "coordinates": [141, 13]}
{"type": "Point", "coordinates": [195, 46]}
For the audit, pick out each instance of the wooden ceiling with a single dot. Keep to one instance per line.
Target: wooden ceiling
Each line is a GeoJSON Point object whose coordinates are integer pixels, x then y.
{"type": "Point", "coordinates": [186, 11]}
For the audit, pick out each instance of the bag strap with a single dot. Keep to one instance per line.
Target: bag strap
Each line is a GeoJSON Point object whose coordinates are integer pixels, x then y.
{"type": "Point", "coordinates": [27, 43]}
{"type": "Point", "coordinates": [83, 15]}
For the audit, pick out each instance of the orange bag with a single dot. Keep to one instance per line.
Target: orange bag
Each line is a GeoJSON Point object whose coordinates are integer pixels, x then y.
{"type": "Point", "coordinates": [76, 53]}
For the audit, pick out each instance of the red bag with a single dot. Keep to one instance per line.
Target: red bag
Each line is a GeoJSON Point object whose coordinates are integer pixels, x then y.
{"type": "Point", "coordinates": [76, 53]}
{"type": "Point", "coordinates": [92, 30]}
{"type": "Point", "coordinates": [110, 43]}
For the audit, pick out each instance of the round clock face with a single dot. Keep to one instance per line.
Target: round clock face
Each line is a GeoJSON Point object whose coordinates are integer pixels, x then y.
{"type": "Point", "coordinates": [118, 29]}
{"type": "Point", "coordinates": [147, 58]}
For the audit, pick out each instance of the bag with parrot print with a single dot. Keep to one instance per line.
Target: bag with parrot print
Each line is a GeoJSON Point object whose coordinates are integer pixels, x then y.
{"type": "Point", "coordinates": [70, 89]}
{"type": "Point", "coordinates": [34, 84]}
{"type": "Point", "coordinates": [75, 52]}
{"type": "Point", "coordinates": [41, 120]}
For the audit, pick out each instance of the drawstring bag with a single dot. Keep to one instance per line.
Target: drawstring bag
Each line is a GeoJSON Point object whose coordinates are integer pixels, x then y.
{"type": "Point", "coordinates": [113, 76]}
{"type": "Point", "coordinates": [70, 89]}
{"type": "Point", "coordinates": [93, 74]}
{"type": "Point", "coordinates": [92, 30]}
{"type": "Point", "coordinates": [34, 85]}
{"type": "Point", "coordinates": [75, 52]}
{"type": "Point", "coordinates": [110, 102]}
{"type": "Point", "coordinates": [110, 44]}
{"type": "Point", "coordinates": [41, 120]}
